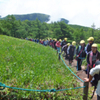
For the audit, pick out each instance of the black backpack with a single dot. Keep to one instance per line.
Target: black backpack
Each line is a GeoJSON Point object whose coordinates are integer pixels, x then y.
{"type": "Point", "coordinates": [94, 82]}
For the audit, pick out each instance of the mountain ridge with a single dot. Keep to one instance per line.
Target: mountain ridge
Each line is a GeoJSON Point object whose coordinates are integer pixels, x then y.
{"type": "Point", "coordinates": [42, 18]}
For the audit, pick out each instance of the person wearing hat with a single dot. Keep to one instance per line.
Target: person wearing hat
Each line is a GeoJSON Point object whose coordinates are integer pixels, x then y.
{"type": "Point", "coordinates": [80, 54]}
{"type": "Point", "coordinates": [71, 51]}
{"type": "Point", "coordinates": [55, 44]}
{"type": "Point", "coordinates": [45, 42]}
{"type": "Point", "coordinates": [64, 48]}
{"type": "Point", "coordinates": [58, 45]}
{"type": "Point", "coordinates": [94, 75]}
{"type": "Point", "coordinates": [64, 42]}
{"type": "Point", "coordinates": [50, 42]}
{"type": "Point", "coordinates": [68, 44]}
{"type": "Point", "coordinates": [40, 41]}
{"type": "Point", "coordinates": [88, 46]}
{"type": "Point", "coordinates": [92, 57]}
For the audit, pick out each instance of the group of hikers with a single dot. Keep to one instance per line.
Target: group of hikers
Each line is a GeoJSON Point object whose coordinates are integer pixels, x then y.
{"type": "Point", "coordinates": [89, 51]}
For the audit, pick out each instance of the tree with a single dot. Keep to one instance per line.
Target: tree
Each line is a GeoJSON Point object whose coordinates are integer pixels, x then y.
{"type": "Point", "coordinates": [38, 23]}
{"type": "Point", "coordinates": [65, 31]}
{"type": "Point", "coordinates": [79, 35]}
{"type": "Point", "coordinates": [93, 28]}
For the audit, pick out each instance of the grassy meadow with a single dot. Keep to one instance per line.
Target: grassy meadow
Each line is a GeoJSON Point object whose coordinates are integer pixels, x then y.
{"type": "Point", "coordinates": [25, 64]}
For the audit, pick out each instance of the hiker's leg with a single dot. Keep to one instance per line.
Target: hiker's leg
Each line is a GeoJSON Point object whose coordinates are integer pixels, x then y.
{"type": "Point", "coordinates": [69, 62]}
{"type": "Point", "coordinates": [80, 63]}
{"type": "Point", "coordinates": [58, 49]}
{"type": "Point", "coordinates": [98, 97]}
{"type": "Point", "coordinates": [77, 64]}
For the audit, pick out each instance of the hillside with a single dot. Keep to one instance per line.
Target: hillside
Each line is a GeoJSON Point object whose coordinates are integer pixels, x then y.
{"type": "Point", "coordinates": [44, 18]}
{"type": "Point", "coordinates": [41, 17]}
{"type": "Point", "coordinates": [25, 64]}
{"type": "Point", "coordinates": [65, 20]}
{"type": "Point", "coordinates": [79, 27]}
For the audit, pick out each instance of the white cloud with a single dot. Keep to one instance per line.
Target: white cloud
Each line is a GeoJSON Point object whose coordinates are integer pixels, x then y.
{"type": "Point", "coordinates": [82, 12]}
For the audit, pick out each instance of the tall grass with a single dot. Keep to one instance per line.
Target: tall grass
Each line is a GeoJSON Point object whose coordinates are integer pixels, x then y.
{"type": "Point", "coordinates": [25, 64]}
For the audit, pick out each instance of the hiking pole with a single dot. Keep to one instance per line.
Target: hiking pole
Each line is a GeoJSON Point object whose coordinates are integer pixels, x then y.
{"type": "Point", "coordinates": [85, 91]}
{"type": "Point", "coordinates": [59, 55]}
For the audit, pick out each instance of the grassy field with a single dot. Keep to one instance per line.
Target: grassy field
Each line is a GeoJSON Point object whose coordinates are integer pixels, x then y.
{"type": "Point", "coordinates": [25, 64]}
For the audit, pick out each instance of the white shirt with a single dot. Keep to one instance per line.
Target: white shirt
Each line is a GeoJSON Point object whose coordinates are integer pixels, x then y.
{"type": "Point", "coordinates": [93, 71]}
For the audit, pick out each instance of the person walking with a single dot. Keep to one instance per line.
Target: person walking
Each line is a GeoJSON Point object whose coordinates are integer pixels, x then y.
{"type": "Point", "coordinates": [64, 42]}
{"type": "Point", "coordinates": [80, 54]}
{"type": "Point", "coordinates": [64, 48]}
{"type": "Point", "coordinates": [95, 73]}
{"type": "Point", "coordinates": [92, 57]}
{"type": "Point", "coordinates": [58, 45]}
{"type": "Point", "coordinates": [71, 51]}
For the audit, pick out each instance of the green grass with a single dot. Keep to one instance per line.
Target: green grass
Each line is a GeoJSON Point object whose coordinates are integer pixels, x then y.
{"type": "Point", "coordinates": [25, 64]}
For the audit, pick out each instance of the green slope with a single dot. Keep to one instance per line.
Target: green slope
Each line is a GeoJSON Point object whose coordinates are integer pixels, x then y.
{"type": "Point", "coordinates": [79, 27]}
{"type": "Point", "coordinates": [25, 64]}
{"type": "Point", "coordinates": [41, 17]}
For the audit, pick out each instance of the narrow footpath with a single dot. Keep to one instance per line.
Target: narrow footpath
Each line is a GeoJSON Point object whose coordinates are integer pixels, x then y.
{"type": "Point", "coordinates": [82, 75]}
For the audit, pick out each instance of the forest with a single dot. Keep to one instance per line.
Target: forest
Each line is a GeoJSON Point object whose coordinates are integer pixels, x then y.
{"type": "Point", "coordinates": [10, 26]}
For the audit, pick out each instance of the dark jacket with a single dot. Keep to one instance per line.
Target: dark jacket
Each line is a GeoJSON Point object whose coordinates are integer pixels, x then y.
{"type": "Point", "coordinates": [71, 50]}
{"type": "Point", "coordinates": [55, 45]}
{"type": "Point", "coordinates": [63, 43]}
{"type": "Point", "coordinates": [64, 48]}
{"type": "Point", "coordinates": [88, 48]}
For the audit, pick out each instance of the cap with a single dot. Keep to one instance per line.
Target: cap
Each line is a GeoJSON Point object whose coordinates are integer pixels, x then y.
{"type": "Point", "coordinates": [82, 41]}
{"type": "Point", "coordinates": [73, 43]}
{"type": "Point", "coordinates": [65, 39]}
{"type": "Point", "coordinates": [94, 45]}
{"type": "Point", "coordinates": [68, 44]}
{"type": "Point", "coordinates": [55, 39]}
{"type": "Point", "coordinates": [90, 39]}
{"type": "Point", "coordinates": [60, 40]}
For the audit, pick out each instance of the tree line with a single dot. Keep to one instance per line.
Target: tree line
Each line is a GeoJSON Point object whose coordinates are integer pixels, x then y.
{"type": "Point", "coordinates": [42, 30]}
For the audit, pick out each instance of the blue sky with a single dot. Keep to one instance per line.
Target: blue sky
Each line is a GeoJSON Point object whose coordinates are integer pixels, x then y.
{"type": "Point", "coordinates": [80, 12]}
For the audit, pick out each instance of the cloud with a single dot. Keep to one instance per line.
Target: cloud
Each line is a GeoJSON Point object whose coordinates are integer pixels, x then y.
{"type": "Point", "coordinates": [82, 12]}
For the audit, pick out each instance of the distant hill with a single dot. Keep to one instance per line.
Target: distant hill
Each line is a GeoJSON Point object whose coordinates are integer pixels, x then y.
{"type": "Point", "coordinates": [65, 20]}
{"type": "Point", "coordinates": [79, 27]}
{"type": "Point", "coordinates": [44, 18]}
{"type": "Point", "coordinates": [41, 17]}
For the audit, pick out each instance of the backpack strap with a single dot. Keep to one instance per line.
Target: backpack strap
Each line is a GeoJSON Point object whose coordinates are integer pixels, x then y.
{"type": "Point", "coordinates": [81, 51]}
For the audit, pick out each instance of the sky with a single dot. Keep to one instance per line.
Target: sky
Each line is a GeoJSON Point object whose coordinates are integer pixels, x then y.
{"type": "Point", "coordinates": [80, 12]}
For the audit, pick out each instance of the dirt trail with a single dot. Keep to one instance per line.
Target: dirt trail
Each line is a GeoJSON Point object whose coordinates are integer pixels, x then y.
{"type": "Point", "coordinates": [81, 74]}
